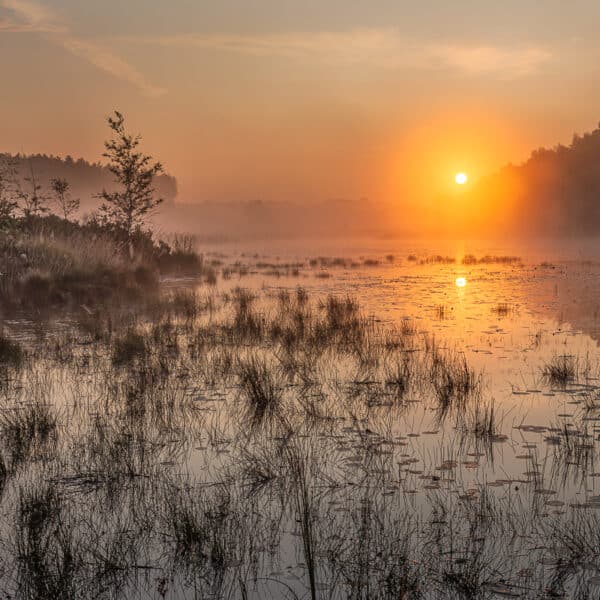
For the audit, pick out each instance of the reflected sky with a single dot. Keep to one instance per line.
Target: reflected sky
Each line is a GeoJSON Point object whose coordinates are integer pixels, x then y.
{"type": "Point", "coordinates": [509, 320]}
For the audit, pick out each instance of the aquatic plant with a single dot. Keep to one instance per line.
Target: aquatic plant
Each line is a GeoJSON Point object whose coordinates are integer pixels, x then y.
{"type": "Point", "coordinates": [560, 370]}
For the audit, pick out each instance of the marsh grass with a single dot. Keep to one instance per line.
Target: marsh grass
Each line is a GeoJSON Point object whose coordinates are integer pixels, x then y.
{"type": "Point", "coordinates": [11, 353]}
{"type": "Point", "coordinates": [247, 324]}
{"type": "Point", "coordinates": [441, 312]}
{"type": "Point", "coordinates": [51, 261]}
{"type": "Point", "coordinates": [481, 421]}
{"type": "Point", "coordinates": [560, 370]}
{"type": "Point", "coordinates": [205, 531]}
{"type": "Point", "coordinates": [305, 507]}
{"type": "Point", "coordinates": [261, 390]}
{"type": "Point", "coordinates": [28, 430]}
{"type": "Point", "coordinates": [591, 399]}
{"type": "Point", "coordinates": [398, 376]}
{"type": "Point", "coordinates": [48, 561]}
{"type": "Point", "coordinates": [575, 447]}
{"type": "Point", "coordinates": [452, 380]}
{"type": "Point", "coordinates": [43, 268]}
{"type": "Point", "coordinates": [242, 445]}
{"type": "Point", "coordinates": [488, 259]}
{"type": "Point", "coordinates": [128, 348]}
{"type": "Point", "coordinates": [503, 309]}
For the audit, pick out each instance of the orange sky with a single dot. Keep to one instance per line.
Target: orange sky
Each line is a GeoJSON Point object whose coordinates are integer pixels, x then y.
{"type": "Point", "coordinates": [283, 100]}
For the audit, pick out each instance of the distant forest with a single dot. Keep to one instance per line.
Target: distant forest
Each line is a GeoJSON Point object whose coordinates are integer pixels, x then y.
{"type": "Point", "coordinates": [555, 192]}
{"type": "Point", "coordinates": [85, 179]}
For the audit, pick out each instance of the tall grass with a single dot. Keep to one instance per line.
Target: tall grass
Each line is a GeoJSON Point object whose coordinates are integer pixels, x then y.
{"type": "Point", "coordinates": [261, 390]}
{"type": "Point", "coordinates": [49, 564]}
{"type": "Point", "coordinates": [11, 353]}
{"type": "Point", "coordinates": [27, 430]}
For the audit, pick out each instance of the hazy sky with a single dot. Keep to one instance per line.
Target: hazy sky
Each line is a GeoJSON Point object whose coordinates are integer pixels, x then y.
{"type": "Point", "coordinates": [302, 99]}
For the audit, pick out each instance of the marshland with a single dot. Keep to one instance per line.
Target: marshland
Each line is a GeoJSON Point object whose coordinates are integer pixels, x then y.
{"type": "Point", "coordinates": [184, 419]}
{"type": "Point", "coordinates": [343, 343]}
{"type": "Point", "coordinates": [269, 433]}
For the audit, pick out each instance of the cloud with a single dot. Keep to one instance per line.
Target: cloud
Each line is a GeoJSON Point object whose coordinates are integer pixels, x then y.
{"type": "Point", "coordinates": [106, 61]}
{"type": "Point", "coordinates": [485, 59]}
{"type": "Point", "coordinates": [34, 17]}
{"type": "Point", "coordinates": [12, 26]}
{"type": "Point", "coordinates": [383, 48]}
{"type": "Point", "coordinates": [380, 47]}
{"type": "Point", "coordinates": [350, 45]}
{"type": "Point", "coordinates": [37, 18]}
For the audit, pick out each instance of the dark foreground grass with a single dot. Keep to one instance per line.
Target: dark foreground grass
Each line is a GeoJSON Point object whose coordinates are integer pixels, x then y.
{"type": "Point", "coordinates": [244, 446]}
{"type": "Point", "coordinates": [11, 352]}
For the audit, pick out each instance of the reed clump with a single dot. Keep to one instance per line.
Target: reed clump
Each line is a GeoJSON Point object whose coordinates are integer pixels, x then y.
{"type": "Point", "coordinates": [453, 381]}
{"type": "Point", "coordinates": [560, 370]}
{"type": "Point", "coordinates": [261, 389]}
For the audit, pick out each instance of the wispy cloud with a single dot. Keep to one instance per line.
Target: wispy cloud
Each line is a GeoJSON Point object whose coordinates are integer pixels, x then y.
{"type": "Point", "coordinates": [486, 59]}
{"type": "Point", "coordinates": [381, 47]}
{"type": "Point", "coordinates": [385, 48]}
{"type": "Point", "coordinates": [12, 26]}
{"type": "Point", "coordinates": [32, 17]}
{"type": "Point", "coordinates": [105, 60]}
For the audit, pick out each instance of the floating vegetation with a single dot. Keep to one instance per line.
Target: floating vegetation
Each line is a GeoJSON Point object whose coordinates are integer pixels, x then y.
{"type": "Point", "coordinates": [503, 309]}
{"type": "Point", "coordinates": [470, 259]}
{"type": "Point", "coordinates": [438, 259]}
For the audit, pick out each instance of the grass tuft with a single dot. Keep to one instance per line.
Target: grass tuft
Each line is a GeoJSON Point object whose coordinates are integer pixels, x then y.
{"type": "Point", "coordinates": [560, 370]}
{"type": "Point", "coordinates": [261, 390]}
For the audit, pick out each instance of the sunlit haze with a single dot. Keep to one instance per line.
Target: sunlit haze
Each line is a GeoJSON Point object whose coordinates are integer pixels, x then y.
{"type": "Point", "coordinates": [303, 101]}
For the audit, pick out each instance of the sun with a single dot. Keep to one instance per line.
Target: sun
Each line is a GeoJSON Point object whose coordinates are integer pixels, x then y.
{"type": "Point", "coordinates": [461, 178]}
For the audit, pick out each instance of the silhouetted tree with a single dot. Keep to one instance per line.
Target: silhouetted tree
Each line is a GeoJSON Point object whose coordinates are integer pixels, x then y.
{"type": "Point", "coordinates": [67, 205]}
{"type": "Point", "coordinates": [85, 178]}
{"type": "Point", "coordinates": [129, 207]}
{"type": "Point", "coordinates": [8, 179]}
{"type": "Point", "coordinates": [32, 201]}
{"type": "Point", "coordinates": [555, 192]}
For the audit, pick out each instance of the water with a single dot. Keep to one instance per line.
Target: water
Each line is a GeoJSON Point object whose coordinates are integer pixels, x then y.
{"type": "Point", "coordinates": [345, 456]}
{"type": "Point", "coordinates": [510, 321]}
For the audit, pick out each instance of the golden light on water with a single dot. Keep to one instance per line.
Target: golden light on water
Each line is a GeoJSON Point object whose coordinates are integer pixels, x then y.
{"type": "Point", "coordinates": [461, 282]}
{"type": "Point", "coordinates": [461, 178]}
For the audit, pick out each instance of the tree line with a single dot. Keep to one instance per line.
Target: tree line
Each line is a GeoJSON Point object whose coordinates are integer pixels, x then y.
{"type": "Point", "coordinates": [555, 192]}
{"type": "Point", "coordinates": [125, 205]}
